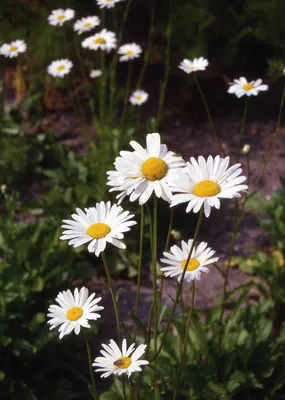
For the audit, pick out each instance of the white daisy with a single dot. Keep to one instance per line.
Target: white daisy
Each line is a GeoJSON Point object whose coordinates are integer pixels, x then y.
{"type": "Point", "coordinates": [198, 64]}
{"type": "Point", "coordinates": [119, 362]}
{"type": "Point", "coordinates": [13, 49]}
{"type": "Point", "coordinates": [104, 40]}
{"type": "Point", "coordinates": [138, 97]}
{"type": "Point", "coordinates": [144, 171]}
{"type": "Point", "coordinates": [177, 258]}
{"type": "Point", "coordinates": [58, 17]}
{"type": "Point", "coordinates": [73, 311]}
{"type": "Point", "coordinates": [98, 225]}
{"type": "Point", "coordinates": [86, 24]}
{"type": "Point", "coordinates": [95, 73]}
{"type": "Point", "coordinates": [204, 182]}
{"type": "Point", "coordinates": [60, 68]}
{"type": "Point", "coordinates": [107, 3]}
{"type": "Point", "coordinates": [241, 87]}
{"type": "Point", "coordinates": [129, 51]}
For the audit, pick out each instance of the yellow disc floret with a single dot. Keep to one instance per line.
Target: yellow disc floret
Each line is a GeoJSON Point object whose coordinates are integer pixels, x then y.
{"type": "Point", "coordinates": [98, 230]}
{"type": "Point", "coordinates": [129, 53]}
{"type": "Point", "coordinates": [154, 168]}
{"type": "Point", "coordinates": [206, 189]}
{"type": "Point", "coordinates": [100, 40]}
{"type": "Point", "coordinates": [61, 17]}
{"type": "Point", "coordinates": [123, 362]}
{"type": "Point", "coordinates": [247, 86]}
{"type": "Point", "coordinates": [13, 48]}
{"type": "Point", "coordinates": [61, 68]}
{"type": "Point", "coordinates": [87, 24]}
{"type": "Point", "coordinates": [74, 313]}
{"type": "Point", "coordinates": [193, 264]}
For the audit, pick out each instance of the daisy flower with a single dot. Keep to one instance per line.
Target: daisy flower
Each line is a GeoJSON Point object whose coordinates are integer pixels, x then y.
{"type": "Point", "coordinates": [198, 64]}
{"type": "Point", "coordinates": [118, 362]}
{"type": "Point", "coordinates": [59, 68]}
{"type": "Point", "coordinates": [58, 17]}
{"type": "Point", "coordinates": [176, 260]}
{"type": "Point", "coordinates": [104, 40]}
{"type": "Point", "coordinates": [13, 49]}
{"type": "Point", "coordinates": [107, 3]}
{"type": "Point", "coordinates": [241, 87]}
{"type": "Point", "coordinates": [129, 51]}
{"type": "Point", "coordinates": [138, 97]}
{"type": "Point", "coordinates": [98, 225]}
{"type": "Point", "coordinates": [144, 171]}
{"type": "Point", "coordinates": [95, 73]}
{"type": "Point", "coordinates": [204, 183]}
{"type": "Point", "coordinates": [73, 311]}
{"type": "Point", "coordinates": [86, 24]}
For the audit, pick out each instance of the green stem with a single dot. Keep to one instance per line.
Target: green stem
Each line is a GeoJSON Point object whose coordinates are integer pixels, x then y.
{"type": "Point", "coordinates": [93, 391]}
{"type": "Point", "coordinates": [154, 284]}
{"type": "Point", "coordinates": [184, 355]}
{"type": "Point", "coordinates": [242, 126]}
{"type": "Point", "coordinates": [126, 98]}
{"type": "Point", "coordinates": [109, 279]}
{"type": "Point", "coordinates": [218, 140]}
{"type": "Point", "coordinates": [179, 288]}
{"type": "Point", "coordinates": [102, 91]}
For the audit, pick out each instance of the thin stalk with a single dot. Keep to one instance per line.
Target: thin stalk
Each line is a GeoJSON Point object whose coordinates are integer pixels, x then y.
{"type": "Point", "coordinates": [93, 391]}
{"type": "Point", "coordinates": [126, 98]}
{"type": "Point", "coordinates": [124, 388]}
{"type": "Point", "coordinates": [218, 140]}
{"type": "Point", "coordinates": [102, 89]}
{"type": "Point", "coordinates": [242, 125]}
{"type": "Point", "coordinates": [179, 288]}
{"type": "Point", "coordinates": [109, 279]}
{"type": "Point", "coordinates": [184, 355]}
{"type": "Point", "coordinates": [154, 284]}
{"type": "Point", "coordinates": [139, 267]}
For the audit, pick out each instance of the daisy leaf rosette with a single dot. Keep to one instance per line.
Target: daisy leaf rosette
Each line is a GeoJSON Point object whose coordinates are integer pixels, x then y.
{"type": "Point", "coordinates": [241, 87]}
{"type": "Point", "coordinates": [73, 311]}
{"type": "Point", "coordinates": [144, 171]}
{"type": "Point", "coordinates": [204, 182]}
{"type": "Point", "coordinates": [99, 225]}
{"type": "Point", "coordinates": [13, 49]}
{"type": "Point", "coordinates": [176, 261]}
{"type": "Point", "coordinates": [117, 362]}
{"type": "Point", "coordinates": [60, 16]}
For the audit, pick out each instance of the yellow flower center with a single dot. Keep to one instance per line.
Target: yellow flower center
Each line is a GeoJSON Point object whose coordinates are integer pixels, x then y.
{"type": "Point", "coordinates": [87, 24]}
{"type": "Point", "coordinates": [123, 362]}
{"type": "Point", "coordinates": [129, 53]}
{"type": "Point", "coordinates": [100, 40]}
{"type": "Point", "coordinates": [193, 264]}
{"type": "Point", "coordinates": [206, 189]}
{"type": "Point", "coordinates": [74, 313]}
{"type": "Point", "coordinates": [61, 68]}
{"type": "Point", "coordinates": [247, 86]}
{"type": "Point", "coordinates": [154, 168]}
{"type": "Point", "coordinates": [13, 48]}
{"type": "Point", "coordinates": [61, 17]}
{"type": "Point", "coordinates": [138, 98]}
{"type": "Point", "coordinates": [98, 230]}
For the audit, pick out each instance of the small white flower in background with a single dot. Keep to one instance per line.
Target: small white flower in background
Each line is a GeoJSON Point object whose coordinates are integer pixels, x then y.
{"type": "Point", "coordinates": [98, 225]}
{"type": "Point", "coordinates": [118, 362]}
{"type": "Point", "coordinates": [141, 172]}
{"type": "Point", "coordinates": [107, 3]}
{"type": "Point", "coordinates": [138, 97]}
{"type": "Point", "coordinates": [176, 261]}
{"type": "Point", "coordinates": [73, 311]}
{"type": "Point", "coordinates": [246, 149]}
{"type": "Point", "coordinates": [198, 64]}
{"type": "Point", "coordinates": [175, 234]}
{"type": "Point", "coordinates": [60, 68]}
{"type": "Point", "coordinates": [129, 51]}
{"type": "Point", "coordinates": [203, 183]}
{"type": "Point", "coordinates": [95, 73]}
{"type": "Point", "coordinates": [241, 87]}
{"type": "Point", "coordinates": [86, 24]}
{"type": "Point", "coordinates": [13, 49]}
{"type": "Point", "coordinates": [60, 16]}
{"type": "Point", "coordinates": [104, 40]}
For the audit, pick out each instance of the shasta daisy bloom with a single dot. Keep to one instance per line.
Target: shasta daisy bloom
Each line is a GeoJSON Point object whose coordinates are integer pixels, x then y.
{"type": "Point", "coordinates": [204, 183]}
{"type": "Point", "coordinates": [118, 362]}
{"type": "Point", "coordinates": [13, 49]}
{"type": "Point", "coordinates": [138, 97]}
{"type": "Point", "coordinates": [129, 51]}
{"type": "Point", "coordinates": [176, 260]}
{"type": "Point", "coordinates": [95, 73]}
{"type": "Point", "coordinates": [58, 17]}
{"type": "Point", "coordinates": [86, 24]}
{"type": "Point", "coordinates": [104, 40]}
{"type": "Point", "coordinates": [107, 3]}
{"type": "Point", "coordinates": [60, 68]}
{"type": "Point", "coordinates": [73, 311]}
{"type": "Point", "coordinates": [144, 171]}
{"type": "Point", "coordinates": [241, 87]}
{"type": "Point", "coordinates": [98, 226]}
{"type": "Point", "coordinates": [198, 64]}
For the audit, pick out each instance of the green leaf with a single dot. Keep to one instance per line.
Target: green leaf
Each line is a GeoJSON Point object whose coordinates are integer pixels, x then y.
{"type": "Point", "coordinates": [139, 323]}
